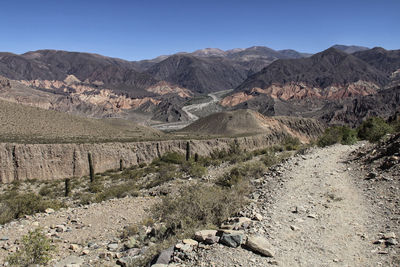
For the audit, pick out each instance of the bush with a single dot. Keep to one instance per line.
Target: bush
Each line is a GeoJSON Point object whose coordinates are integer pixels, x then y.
{"type": "Point", "coordinates": [373, 129]}
{"type": "Point", "coordinates": [117, 191]}
{"type": "Point", "coordinates": [172, 157]}
{"type": "Point", "coordinates": [291, 143]}
{"type": "Point", "coordinates": [269, 158]}
{"type": "Point", "coordinates": [240, 173]}
{"type": "Point", "coordinates": [36, 249]}
{"type": "Point", "coordinates": [197, 207]}
{"type": "Point", "coordinates": [194, 169]}
{"type": "Point", "coordinates": [15, 205]}
{"type": "Point", "coordinates": [337, 134]}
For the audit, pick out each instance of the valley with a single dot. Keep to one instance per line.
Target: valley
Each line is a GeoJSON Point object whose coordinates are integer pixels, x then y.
{"type": "Point", "coordinates": [194, 111]}
{"type": "Point", "coordinates": [237, 157]}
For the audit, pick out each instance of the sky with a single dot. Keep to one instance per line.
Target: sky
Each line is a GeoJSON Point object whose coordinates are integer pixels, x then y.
{"type": "Point", "coordinates": [136, 30]}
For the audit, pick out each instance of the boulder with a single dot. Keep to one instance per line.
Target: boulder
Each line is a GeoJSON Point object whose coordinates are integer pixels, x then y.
{"type": "Point", "coordinates": [207, 236]}
{"type": "Point", "coordinates": [232, 238]}
{"type": "Point", "coordinates": [190, 242]}
{"type": "Point", "coordinates": [260, 244]}
{"type": "Point", "coordinates": [165, 256]}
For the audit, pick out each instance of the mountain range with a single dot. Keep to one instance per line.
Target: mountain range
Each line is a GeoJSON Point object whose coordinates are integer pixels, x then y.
{"type": "Point", "coordinates": [274, 82]}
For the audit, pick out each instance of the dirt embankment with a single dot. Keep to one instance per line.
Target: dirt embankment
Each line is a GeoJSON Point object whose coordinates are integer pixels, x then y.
{"type": "Point", "coordinates": [57, 161]}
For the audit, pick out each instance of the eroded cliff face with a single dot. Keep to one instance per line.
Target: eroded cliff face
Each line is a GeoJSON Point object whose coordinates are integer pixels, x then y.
{"type": "Point", "coordinates": [57, 161]}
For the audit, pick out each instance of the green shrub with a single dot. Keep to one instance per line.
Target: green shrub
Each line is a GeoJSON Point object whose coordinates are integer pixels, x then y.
{"type": "Point", "coordinates": [337, 134]}
{"type": "Point", "coordinates": [197, 207]}
{"type": "Point", "coordinates": [291, 143]}
{"type": "Point", "coordinates": [194, 169]}
{"type": "Point", "coordinates": [15, 205]}
{"type": "Point", "coordinates": [117, 191]}
{"type": "Point", "coordinates": [349, 136]}
{"type": "Point", "coordinates": [165, 173]}
{"type": "Point", "coordinates": [36, 249]}
{"type": "Point", "coordinates": [96, 186]}
{"type": "Point", "coordinates": [373, 129]}
{"type": "Point", "coordinates": [242, 172]}
{"type": "Point", "coordinates": [173, 157]}
{"type": "Point", "coordinates": [269, 158]}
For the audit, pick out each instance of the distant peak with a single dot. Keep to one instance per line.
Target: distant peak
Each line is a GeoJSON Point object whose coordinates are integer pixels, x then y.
{"type": "Point", "coordinates": [379, 49]}
{"type": "Point", "coordinates": [349, 48]}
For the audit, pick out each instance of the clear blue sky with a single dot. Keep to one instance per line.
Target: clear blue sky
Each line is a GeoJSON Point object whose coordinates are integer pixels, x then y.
{"type": "Point", "coordinates": [136, 30]}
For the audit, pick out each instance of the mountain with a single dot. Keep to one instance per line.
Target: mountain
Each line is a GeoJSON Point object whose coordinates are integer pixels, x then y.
{"type": "Point", "coordinates": [332, 86]}
{"type": "Point", "coordinates": [312, 77]}
{"type": "Point", "coordinates": [209, 52]}
{"type": "Point", "coordinates": [253, 59]}
{"type": "Point", "coordinates": [200, 75]}
{"type": "Point", "coordinates": [350, 49]}
{"type": "Point", "coordinates": [290, 53]}
{"type": "Point", "coordinates": [387, 61]}
{"type": "Point", "coordinates": [114, 73]}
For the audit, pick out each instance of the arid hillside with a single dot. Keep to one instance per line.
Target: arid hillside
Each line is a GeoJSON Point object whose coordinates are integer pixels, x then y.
{"type": "Point", "coordinates": [20, 123]}
{"type": "Point", "coordinates": [249, 122]}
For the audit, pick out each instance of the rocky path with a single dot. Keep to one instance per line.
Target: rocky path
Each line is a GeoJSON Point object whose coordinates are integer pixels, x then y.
{"type": "Point", "coordinates": [314, 214]}
{"type": "Point", "coordinates": [321, 217]}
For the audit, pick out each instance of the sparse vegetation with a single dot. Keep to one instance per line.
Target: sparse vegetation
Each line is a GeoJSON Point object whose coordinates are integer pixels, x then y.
{"type": "Point", "coordinates": [14, 205]}
{"type": "Point", "coordinates": [338, 134]}
{"type": "Point", "coordinates": [373, 129]}
{"type": "Point", "coordinates": [291, 143]}
{"type": "Point", "coordinates": [36, 249]}
{"type": "Point", "coordinates": [246, 171]}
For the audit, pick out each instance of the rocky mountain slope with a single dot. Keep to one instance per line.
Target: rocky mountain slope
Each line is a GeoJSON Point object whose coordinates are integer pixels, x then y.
{"type": "Point", "coordinates": [328, 68]}
{"type": "Point", "coordinates": [201, 75]}
{"type": "Point", "coordinates": [387, 61]}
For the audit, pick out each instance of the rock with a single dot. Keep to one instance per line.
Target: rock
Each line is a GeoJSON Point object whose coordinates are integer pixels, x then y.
{"type": "Point", "coordinates": [49, 211]}
{"type": "Point", "coordinates": [159, 265]}
{"type": "Point", "coordinates": [85, 252]}
{"type": "Point", "coordinates": [36, 224]}
{"type": "Point", "coordinates": [190, 242]}
{"type": "Point", "coordinates": [312, 216]}
{"type": "Point", "coordinates": [232, 238]}
{"type": "Point", "coordinates": [4, 238]}
{"type": "Point", "coordinates": [207, 236]}
{"type": "Point", "coordinates": [69, 261]}
{"type": "Point", "coordinates": [259, 244]}
{"type": "Point", "coordinates": [294, 228]}
{"type": "Point", "coordinates": [106, 255]}
{"type": "Point", "coordinates": [257, 217]}
{"type": "Point", "coordinates": [389, 235]}
{"type": "Point", "coordinates": [184, 247]}
{"type": "Point", "coordinates": [298, 209]}
{"type": "Point", "coordinates": [112, 246]}
{"type": "Point", "coordinates": [165, 256]}
{"type": "Point", "coordinates": [391, 242]}
{"type": "Point", "coordinates": [74, 247]}
{"type": "Point", "coordinates": [60, 228]}
{"type": "Point", "coordinates": [126, 261]}
{"type": "Point", "coordinates": [371, 175]}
